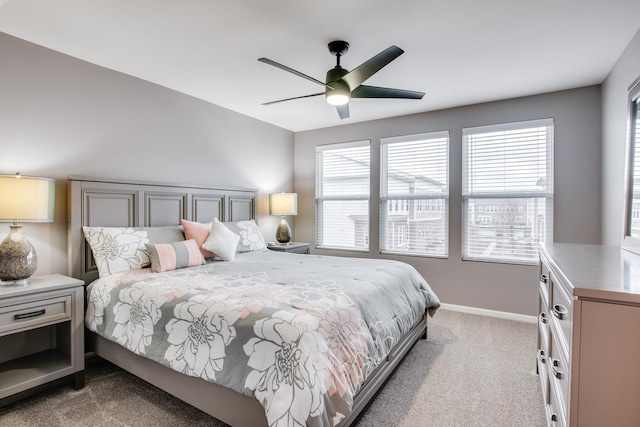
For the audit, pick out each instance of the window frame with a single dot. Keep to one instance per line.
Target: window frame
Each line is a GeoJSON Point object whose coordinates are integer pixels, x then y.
{"type": "Point", "coordinates": [423, 203]}
{"type": "Point", "coordinates": [321, 198]}
{"type": "Point", "coordinates": [631, 240]}
{"type": "Point", "coordinates": [546, 193]}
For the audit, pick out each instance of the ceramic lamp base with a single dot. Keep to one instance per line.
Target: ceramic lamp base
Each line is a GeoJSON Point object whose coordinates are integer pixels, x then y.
{"type": "Point", "coordinates": [18, 260]}
{"type": "Point", "coordinates": [283, 232]}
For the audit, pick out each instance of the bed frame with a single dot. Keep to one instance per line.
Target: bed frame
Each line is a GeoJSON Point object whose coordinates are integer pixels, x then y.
{"type": "Point", "coordinates": [114, 203]}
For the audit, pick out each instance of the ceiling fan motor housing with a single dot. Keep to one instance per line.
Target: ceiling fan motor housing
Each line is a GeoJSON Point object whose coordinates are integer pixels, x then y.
{"type": "Point", "coordinates": [336, 74]}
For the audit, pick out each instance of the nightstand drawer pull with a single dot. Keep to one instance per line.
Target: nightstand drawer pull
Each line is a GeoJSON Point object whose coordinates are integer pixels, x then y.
{"type": "Point", "coordinates": [560, 311]}
{"type": "Point", "coordinates": [543, 278]}
{"type": "Point", "coordinates": [22, 316]}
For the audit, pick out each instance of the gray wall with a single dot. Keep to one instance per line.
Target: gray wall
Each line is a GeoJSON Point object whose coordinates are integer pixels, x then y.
{"type": "Point", "coordinates": [614, 140]}
{"type": "Point", "coordinates": [502, 287]}
{"type": "Point", "coordinates": [60, 116]}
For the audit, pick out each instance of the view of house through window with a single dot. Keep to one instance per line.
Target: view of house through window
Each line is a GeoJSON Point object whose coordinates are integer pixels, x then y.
{"type": "Point", "coordinates": [414, 187]}
{"type": "Point", "coordinates": [342, 195]}
{"type": "Point", "coordinates": [507, 191]}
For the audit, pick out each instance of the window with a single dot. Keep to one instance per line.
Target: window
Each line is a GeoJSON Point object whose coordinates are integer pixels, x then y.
{"type": "Point", "coordinates": [507, 171]}
{"type": "Point", "coordinates": [415, 176]}
{"type": "Point", "coordinates": [342, 196]}
{"type": "Point", "coordinates": [631, 240]}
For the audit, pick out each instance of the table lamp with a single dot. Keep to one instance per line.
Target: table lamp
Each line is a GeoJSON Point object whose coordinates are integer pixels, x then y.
{"type": "Point", "coordinates": [22, 199]}
{"type": "Point", "coordinates": [283, 204]}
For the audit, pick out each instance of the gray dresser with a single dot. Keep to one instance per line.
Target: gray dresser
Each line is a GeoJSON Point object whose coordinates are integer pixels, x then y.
{"type": "Point", "coordinates": [589, 335]}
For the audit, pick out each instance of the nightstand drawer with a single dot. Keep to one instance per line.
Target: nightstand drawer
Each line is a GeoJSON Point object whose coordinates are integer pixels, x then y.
{"type": "Point", "coordinates": [31, 314]}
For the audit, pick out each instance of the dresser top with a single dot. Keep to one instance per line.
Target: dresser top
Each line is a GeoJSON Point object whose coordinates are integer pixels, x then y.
{"type": "Point", "coordinates": [596, 271]}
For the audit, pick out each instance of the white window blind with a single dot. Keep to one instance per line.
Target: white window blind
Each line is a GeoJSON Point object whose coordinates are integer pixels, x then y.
{"type": "Point", "coordinates": [507, 191]}
{"type": "Point", "coordinates": [342, 195]}
{"type": "Point", "coordinates": [414, 194]}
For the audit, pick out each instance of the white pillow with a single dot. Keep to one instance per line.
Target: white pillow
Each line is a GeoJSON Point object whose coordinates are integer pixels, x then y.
{"type": "Point", "coordinates": [221, 241]}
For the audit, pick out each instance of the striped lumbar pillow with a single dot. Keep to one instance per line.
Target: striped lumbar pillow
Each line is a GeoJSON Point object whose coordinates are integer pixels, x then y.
{"type": "Point", "coordinates": [171, 256]}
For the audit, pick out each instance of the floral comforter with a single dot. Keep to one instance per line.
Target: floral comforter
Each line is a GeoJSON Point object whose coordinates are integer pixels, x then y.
{"type": "Point", "coordinates": [300, 333]}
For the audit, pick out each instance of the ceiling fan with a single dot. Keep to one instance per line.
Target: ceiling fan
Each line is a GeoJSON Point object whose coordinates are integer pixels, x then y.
{"type": "Point", "coordinates": [341, 84]}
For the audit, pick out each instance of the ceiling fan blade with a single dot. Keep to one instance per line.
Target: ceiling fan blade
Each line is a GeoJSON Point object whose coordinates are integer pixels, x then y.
{"type": "Point", "coordinates": [292, 71]}
{"type": "Point", "coordinates": [343, 111]}
{"type": "Point", "coordinates": [358, 75]}
{"type": "Point", "coordinates": [364, 91]}
{"type": "Point", "coordinates": [295, 97]}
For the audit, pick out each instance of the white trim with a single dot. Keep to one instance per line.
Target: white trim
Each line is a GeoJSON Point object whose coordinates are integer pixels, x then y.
{"type": "Point", "coordinates": [492, 313]}
{"type": "Point", "coordinates": [508, 126]}
{"type": "Point", "coordinates": [416, 137]}
{"type": "Point", "coordinates": [341, 145]}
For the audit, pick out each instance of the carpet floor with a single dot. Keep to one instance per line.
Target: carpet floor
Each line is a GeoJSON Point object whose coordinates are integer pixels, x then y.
{"type": "Point", "coordinates": [472, 371]}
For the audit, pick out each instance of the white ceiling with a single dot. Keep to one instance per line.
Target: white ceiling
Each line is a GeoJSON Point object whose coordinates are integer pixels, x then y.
{"type": "Point", "coordinates": [459, 52]}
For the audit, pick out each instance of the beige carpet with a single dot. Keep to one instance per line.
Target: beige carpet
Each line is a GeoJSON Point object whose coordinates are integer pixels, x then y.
{"type": "Point", "coordinates": [472, 371]}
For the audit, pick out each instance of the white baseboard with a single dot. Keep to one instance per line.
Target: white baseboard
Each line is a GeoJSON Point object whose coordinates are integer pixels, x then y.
{"type": "Point", "coordinates": [492, 313]}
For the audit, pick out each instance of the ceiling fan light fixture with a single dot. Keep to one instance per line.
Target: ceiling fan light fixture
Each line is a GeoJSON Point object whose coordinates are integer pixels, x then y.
{"type": "Point", "coordinates": [337, 98]}
{"type": "Point", "coordinates": [339, 93]}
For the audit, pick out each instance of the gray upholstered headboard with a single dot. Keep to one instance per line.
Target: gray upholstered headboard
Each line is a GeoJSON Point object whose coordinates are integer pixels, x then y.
{"type": "Point", "coordinates": [114, 203]}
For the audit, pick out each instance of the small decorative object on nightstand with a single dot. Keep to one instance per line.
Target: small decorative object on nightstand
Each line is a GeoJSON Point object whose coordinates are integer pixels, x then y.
{"type": "Point", "coordinates": [291, 247]}
{"type": "Point", "coordinates": [24, 199]}
{"type": "Point", "coordinates": [283, 204]}
{"type": "Point", "coordinates": [41, 336]}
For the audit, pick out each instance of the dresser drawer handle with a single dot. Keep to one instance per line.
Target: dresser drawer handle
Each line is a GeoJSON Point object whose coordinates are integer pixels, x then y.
{"type": "Point", "coordinates": [23, 316]}
{"type": "Point", "coordinates": [543, 317]}
{"type": "Point", "coordinates": [560, 311]}
{"type": "Point", "coordinates": [544, 278]}
{"type": "Point", "coordinates": [555, 368]}
{"type": "Point", "coordinates": [541, 356]}
{"type": "Point", "coordinates": [554, 419]}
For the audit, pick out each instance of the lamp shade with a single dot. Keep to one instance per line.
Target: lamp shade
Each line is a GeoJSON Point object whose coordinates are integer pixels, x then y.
{"type": "Point", "coordinates": [283, 204]}
{"type": "Point", "coordinates": [26, 198]}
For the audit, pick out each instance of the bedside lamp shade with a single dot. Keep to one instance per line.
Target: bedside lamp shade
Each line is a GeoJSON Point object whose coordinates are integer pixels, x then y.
{"type": "Point", "coordinates": [22, 199]}
{"type": "Point", "coordinates": [283, 204]}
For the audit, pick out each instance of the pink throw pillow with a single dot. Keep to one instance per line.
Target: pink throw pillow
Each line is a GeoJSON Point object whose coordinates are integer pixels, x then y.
{"type": "Point", "coordinates": [200, 232]}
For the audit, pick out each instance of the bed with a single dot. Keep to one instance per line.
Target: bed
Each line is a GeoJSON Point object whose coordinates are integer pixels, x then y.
{"type": "Point", "coordinates": [264, 339]}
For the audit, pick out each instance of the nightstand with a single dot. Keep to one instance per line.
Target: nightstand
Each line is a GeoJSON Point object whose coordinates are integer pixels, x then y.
{"type": "Point", "coordinates": [41, 336]}
{"type": "Point", "coordinates": [291, 247]}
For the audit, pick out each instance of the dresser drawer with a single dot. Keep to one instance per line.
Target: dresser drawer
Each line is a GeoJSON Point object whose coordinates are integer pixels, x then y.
{"type": "Point", "coordinates": [32, 314]}
{"type": "Point", "coordinates": [543, 315]}
{"type": "Point", "coordinates": [545, 281]}
{"type": "Point", "coordinates": [543, 373]}
{"type": "Point", "coordinates": [556, 410]}
{"type": "Point", "coordinates": [561, 309]}
{"type": "Point", "coordinates": [559, 374]}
